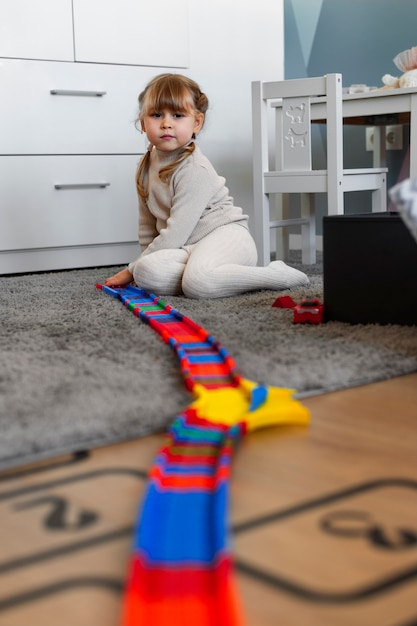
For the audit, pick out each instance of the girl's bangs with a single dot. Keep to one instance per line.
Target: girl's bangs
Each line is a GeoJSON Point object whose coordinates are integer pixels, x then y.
{"type": "Point", "coordinates": [169, 96]}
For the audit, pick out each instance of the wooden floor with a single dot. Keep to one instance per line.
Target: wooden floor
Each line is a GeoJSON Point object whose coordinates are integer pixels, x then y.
{"type": "Point", "coordinates": [324, 521]}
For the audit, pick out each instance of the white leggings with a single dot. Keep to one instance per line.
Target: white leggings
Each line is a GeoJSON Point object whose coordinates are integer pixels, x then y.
{"type": "Point", "coordinates": [222, 264]}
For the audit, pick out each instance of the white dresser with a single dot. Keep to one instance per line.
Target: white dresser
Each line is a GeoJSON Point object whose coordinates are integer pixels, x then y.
{"type": "Point", "coordinates": [70, 74]}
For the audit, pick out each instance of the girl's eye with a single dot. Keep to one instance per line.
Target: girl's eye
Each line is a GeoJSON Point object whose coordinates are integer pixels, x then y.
{"type": "Point", "coordinates": [160, 115]}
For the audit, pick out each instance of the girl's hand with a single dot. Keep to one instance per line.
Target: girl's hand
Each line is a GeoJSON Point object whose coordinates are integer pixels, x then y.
{"type": "Point", "coordinates": [121, 278]}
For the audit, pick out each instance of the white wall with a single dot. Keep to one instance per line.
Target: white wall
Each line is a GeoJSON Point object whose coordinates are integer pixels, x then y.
{"type": "Point", "coordinates": [231, 44]}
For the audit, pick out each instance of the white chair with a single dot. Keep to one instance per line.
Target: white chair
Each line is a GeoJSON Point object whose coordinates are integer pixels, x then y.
{"type": "Point", "coordinates": [289, 149]}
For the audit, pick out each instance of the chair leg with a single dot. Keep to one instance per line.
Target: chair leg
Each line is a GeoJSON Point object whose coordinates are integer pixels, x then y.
{"type": "Point", "coordinates": [262, 231]}
{"type": "Point", "coordinates": [265, 251]}
{"type": "Point", "coordinates": [379, 197]}
{"type": "Point", "coordinates": [282, 238]}
{"type": "Point", "coordinates": [308, 231]}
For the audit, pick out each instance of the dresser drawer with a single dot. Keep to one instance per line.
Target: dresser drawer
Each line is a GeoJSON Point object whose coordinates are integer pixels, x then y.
{"type": "Point", "coordinates": [135, 32]}
{"type": "Point", "coordinates": [98, 32]}
{"type": "Point", "coordinates": [37, 29]}
{"type": "Point", "coordinates": [67, 201]}
{"type": "Point", "coordinates": [70, 108]}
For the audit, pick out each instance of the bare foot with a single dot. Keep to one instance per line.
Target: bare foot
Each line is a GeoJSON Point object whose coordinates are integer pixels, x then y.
{"type": "Point", "coordinates": [121, 278]}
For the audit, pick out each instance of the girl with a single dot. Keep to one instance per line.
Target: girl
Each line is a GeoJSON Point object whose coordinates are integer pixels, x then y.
{"type": "Point", "coordinates": [194, 241]}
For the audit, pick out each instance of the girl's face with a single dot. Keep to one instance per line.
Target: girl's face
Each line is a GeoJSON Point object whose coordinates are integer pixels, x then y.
{"type": "Point", "coordinates": [169, 130]}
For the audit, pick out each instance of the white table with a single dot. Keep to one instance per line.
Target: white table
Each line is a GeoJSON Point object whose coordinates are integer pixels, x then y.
{"type": "Point", "coordinates": [380, 108]}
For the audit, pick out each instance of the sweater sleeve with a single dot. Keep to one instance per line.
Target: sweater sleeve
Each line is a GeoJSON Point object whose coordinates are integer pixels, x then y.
{"type": "Point", "coordinates": [147, 225]}
{"type": "Point", "coordinates": [192, 190]}
{"type": "Point", "coordinates": [147, 230]}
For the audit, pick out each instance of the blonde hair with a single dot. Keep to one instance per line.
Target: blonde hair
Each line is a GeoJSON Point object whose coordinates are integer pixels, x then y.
{"type": "Point", "coordinates": [177, 93]}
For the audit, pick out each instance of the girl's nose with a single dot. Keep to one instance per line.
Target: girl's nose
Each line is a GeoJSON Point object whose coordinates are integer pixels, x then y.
{"type": "Point", "coordinates": [166, 122]}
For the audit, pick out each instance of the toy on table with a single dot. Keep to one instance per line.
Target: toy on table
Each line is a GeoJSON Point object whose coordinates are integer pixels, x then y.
{"type": "Point", "coordinates": [406, 62]}
{"type": "Point", "coordinates": [181, 567]}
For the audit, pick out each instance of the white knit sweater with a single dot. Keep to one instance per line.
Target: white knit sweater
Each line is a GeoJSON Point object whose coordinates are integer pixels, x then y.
{"type": "Point", "coordinates": [193, 204]}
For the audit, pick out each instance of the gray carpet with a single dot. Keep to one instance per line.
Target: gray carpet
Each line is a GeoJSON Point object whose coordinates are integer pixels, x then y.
{"type": "Point", "coordinates": [78, 370]}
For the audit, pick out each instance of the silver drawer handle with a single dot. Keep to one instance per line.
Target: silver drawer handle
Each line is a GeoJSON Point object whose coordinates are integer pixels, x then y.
{"type": "Point", "coordinates": [74, 92]}
{"type": "Point", "coordinates": [81, 186]}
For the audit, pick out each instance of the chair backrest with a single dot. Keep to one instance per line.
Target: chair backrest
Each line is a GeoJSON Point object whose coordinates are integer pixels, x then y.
{"type": "Point", "coordinates": [292, 138]}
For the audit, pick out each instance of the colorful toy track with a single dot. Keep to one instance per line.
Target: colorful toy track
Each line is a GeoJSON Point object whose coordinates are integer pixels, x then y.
{"type": "Point", "coordinates": [181, 567]}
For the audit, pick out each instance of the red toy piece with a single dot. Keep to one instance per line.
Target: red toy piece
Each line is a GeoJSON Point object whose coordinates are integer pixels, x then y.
{"type": "Point", "coordinates": [284, 302]}
{"type": "Point", "coordinates": [309, 311]}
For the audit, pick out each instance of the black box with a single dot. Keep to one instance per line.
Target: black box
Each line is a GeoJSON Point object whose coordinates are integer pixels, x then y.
{"type": "Point", "coordinates": [369, 269]}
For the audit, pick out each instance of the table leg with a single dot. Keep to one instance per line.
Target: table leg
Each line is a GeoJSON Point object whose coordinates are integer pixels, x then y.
{"type": "Point", "coordinates": [379, 152]}
{"type": "Point", "coordinates": [413, 136]}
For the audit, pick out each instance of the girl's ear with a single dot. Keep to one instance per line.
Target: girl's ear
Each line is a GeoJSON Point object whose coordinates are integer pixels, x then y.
{"type": "Point", "coordinates": [142, 125]}
{"type": "Point", "coordinates": [199, 121]}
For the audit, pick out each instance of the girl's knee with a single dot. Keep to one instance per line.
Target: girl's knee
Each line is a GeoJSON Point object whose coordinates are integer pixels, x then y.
{"type": "Point", "coordinates": [157, 278]}
{"type": "Point", "coordinates": [198, 286]}
{"type": "Point", "coordinates": [192, 290]}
